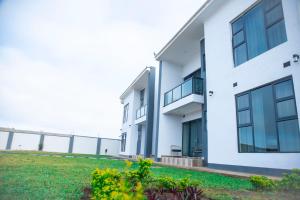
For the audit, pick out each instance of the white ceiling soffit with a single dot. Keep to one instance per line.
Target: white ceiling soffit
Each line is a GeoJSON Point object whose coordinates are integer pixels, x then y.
{"type": "Point", "coordinates": [185, 41]}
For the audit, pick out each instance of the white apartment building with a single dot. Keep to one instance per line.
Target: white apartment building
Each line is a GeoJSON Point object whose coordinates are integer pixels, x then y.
{"type": "Point", "coordinates": [228, 87]}
{"type": "Point", "coordinates": [137, 125]}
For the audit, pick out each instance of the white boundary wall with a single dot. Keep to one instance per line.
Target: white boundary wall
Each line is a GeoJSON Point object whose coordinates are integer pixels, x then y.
{"type": "Point", "coordinates": [3, 140]}
{"type": "Point", "coordinates": [23, 141]}
{"type": "Point", "coordinates": [53, 142]}
{"type": "Point", "coordinates": [112, 146]}
{"type": "Point", "coordinates": [56, 144]}
{"type": "Point", "coordinates": [85, 145]}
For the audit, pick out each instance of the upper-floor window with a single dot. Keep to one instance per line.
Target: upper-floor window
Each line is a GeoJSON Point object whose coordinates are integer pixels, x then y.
{"type": "Point", "coordinates": [123, 142]}
{"type": "Point", "coordinates": [267, 119]}
{"type": "Point", "coordinates": [142, 97]}
{"type": "Point", "coordinates": [258, 30]}
{"type": "Point", "coordinates": [125, 113]}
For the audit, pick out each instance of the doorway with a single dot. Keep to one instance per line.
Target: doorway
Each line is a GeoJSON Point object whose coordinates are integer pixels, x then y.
{"type": "Point", "coordinates": [192, 138]}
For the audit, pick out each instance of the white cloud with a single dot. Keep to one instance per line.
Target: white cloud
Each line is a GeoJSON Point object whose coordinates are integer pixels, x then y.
{"type": "Point", "coordinates": [64, 63]}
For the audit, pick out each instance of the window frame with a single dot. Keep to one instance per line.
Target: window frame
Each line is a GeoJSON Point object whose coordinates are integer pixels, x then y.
{"type": "Point", "coordinates": [123, 142]}
{"type": "Point", "coordinates": [277, 119]}
{"type": "Point", "coordinates": [125, 113]}
{"type": "Point", "coordinates": [266, 27]}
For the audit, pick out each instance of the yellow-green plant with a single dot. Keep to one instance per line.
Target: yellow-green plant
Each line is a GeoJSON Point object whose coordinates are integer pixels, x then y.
{"type": "Point", "coordinates": [290, 181]}
{"type": "Point", "coordinates": [139, 174]}
{"type": "Point", "coordinates": [262, 183]}
{"type": "Point", "coordinates": [110, 184]}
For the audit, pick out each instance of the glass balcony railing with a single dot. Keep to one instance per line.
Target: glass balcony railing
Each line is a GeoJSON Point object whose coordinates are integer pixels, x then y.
{"type": "Point", "coordinates": [141, 112]}
{"type": "Point", "coordinates": [190, 86]}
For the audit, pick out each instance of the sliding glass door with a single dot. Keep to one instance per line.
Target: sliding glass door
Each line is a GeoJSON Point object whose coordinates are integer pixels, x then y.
{"type": "Point", "coordinates": [192, 138]}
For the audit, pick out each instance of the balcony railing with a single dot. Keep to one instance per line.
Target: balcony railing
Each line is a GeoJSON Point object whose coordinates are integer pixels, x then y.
{"type": "Point", "coordinates": [141, 112]}
{"type": "Point", "coordinates": [190, 86]}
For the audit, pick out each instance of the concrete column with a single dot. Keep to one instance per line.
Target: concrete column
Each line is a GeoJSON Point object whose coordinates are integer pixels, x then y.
{"type": "Point", "coordinates": [150, 115]}
{"type": "Point", "coordinates": [71, 144]}
{"type": "Point", "coordinates": [98, 146]}
{"type": "Point", "coordinates": [41, 143]}
{"type": "Point", "coordinates": [9, 140]}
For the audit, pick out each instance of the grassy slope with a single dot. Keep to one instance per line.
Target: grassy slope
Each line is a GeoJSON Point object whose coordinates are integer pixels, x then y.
{"type": "Point", "coordinates": [25, 176]}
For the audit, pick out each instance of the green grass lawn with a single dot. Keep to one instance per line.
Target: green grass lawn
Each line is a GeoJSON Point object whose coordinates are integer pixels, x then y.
{"type": "Point", "coordinates": [31, 175]}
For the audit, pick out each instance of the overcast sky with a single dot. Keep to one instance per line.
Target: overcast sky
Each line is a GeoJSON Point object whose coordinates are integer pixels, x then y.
{"type": "Point", "coordinates": [64, 63]}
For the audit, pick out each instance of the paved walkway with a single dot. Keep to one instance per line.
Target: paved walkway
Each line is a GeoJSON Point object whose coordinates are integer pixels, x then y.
{"type": "Point", "coordinates": [217, 171]}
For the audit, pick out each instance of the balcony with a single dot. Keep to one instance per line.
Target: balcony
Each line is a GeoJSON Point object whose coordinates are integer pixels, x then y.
{"type": "Point", "coordinates": [141, 114]}
{"type": "Point", "coordinates": [185, 98]}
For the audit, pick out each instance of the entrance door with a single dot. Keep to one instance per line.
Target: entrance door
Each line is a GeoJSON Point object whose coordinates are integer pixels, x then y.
{"type": "Point", "coordinates": [192, 138]}
{"type": "Point", "coordinates": [139, 140]}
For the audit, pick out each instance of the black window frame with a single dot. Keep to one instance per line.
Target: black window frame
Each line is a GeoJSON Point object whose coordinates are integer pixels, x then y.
{"type": "Point", "coordinates": [240, 17]}
{"type": "Point", "coordinates": [125, 113]}
{"type": "Point", "coordinates": [123, 142]}
{"type": "Point", "coordinates": [277, 119]}
{"type": "Point", "coordinates": [142, 97]}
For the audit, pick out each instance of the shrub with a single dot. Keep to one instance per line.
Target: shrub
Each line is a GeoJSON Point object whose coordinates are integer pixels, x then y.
{"type": "Point", "coordinates": [290, 181]}
{"type": "Point", "coordinates": [140, 174]}
{"type": "Point", "coordinates": [262, 183]}
{"type": "Point", "coordinates": [166, 182]}
{"type": "Point", "coordinates": [109, 184]}
{"type": "Point", "coordinates": [130, 183]}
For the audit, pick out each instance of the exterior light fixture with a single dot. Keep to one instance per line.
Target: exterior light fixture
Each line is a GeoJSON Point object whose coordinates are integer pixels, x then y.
{"type": "Point", "coordinates": [210, 93]}
{"type": "Point", "coordinates": [296, 58]}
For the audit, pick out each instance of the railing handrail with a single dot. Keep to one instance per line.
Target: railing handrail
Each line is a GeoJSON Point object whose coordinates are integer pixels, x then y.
{"type": "Point", "coordinates": [180, 85]}
{"type": "Point", "coordinates": [143, 107]}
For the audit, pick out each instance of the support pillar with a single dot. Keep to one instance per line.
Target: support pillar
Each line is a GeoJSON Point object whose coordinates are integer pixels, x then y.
{"type": "Point", "coordinates": [9, 140]}
{"type": "Point", "coordinates": [71, 144]}
{"type": "Point", "coordinates": [98, 146]}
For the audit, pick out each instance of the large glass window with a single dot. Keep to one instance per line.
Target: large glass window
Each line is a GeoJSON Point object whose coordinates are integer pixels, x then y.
{"type": "Point", "coordinates": [258, 30]}
{"type": "Point", "coordinates": [123, 142]}
{"type": "Point", "coordinates": [267, 119]}
{"type": "Point", "coordinates": [125, 113]}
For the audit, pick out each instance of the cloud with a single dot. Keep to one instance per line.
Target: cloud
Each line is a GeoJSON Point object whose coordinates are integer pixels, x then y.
{"type": "Point", "coordinates": [64, 64]}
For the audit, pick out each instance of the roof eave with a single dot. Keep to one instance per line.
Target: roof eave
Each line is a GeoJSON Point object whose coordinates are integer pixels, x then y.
{"type": "Point", "coordinates": [133, 82]}
{"type": "Point", "coordinates": [182, 29]}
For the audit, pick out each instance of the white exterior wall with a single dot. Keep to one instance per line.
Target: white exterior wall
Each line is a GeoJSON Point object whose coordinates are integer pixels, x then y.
{"type": "Point", "coordinates": [3, 140]}
{"type": "Point", "coordinates": [192, 65]}
{"type": "Point", "coordinates": [84, 145]}
{"type": "Point", "coordinates": [56, 144]}
{"type": "Point", "coordinates": [22, 141]}
{"type": "Point", "coordinates": [128, 127]}
{"type": "Point", "coordinates": [221, 74]}
{"type": "Point", "coordinates": [112, 147]}
{"type": "Point", "coordinates": [170, 127]}
{"type": "Point", "coordinates": [133, 98]}
{"type": "Point", "coordinates": [192, 116]}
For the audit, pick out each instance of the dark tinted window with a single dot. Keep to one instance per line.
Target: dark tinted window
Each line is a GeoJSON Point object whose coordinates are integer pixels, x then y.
{"type": "Point", "coordinates": [268, 122]}
{"type": "Point", "coordinates": [258, 30]}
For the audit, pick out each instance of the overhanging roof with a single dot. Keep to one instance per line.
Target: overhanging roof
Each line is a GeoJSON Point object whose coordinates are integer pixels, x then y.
{"type": "Point", "coordinates": [187, 29]}
{"type": "Point", "coordinates": [135, 81]}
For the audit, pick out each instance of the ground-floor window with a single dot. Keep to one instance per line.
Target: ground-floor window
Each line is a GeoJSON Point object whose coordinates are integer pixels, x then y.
{"type": "Point", "coordinates": [123, 142]}
{"type": "Point", "coordinates": [267, 119]}
{"type": "Point", "coordinates": [192, 138]}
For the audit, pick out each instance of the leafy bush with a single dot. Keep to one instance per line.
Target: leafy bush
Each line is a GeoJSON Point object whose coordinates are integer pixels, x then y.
{"type": "Point", "coordinates": [130, 183]}
{"type": "Point", "coordinates": [290, 181]}
{"type": "Point", "coordinates": [262, 183]}
{"type": "Point", "coordinates": [109, 184]}
{"type": "Point", "coordinates": [140, 174]}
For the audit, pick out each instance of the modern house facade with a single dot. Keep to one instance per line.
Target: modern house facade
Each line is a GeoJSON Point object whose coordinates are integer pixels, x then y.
{"type": "Point", "coordinates": [137, 124]}
{"type": "Point", "coordinates": [228, 87]}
